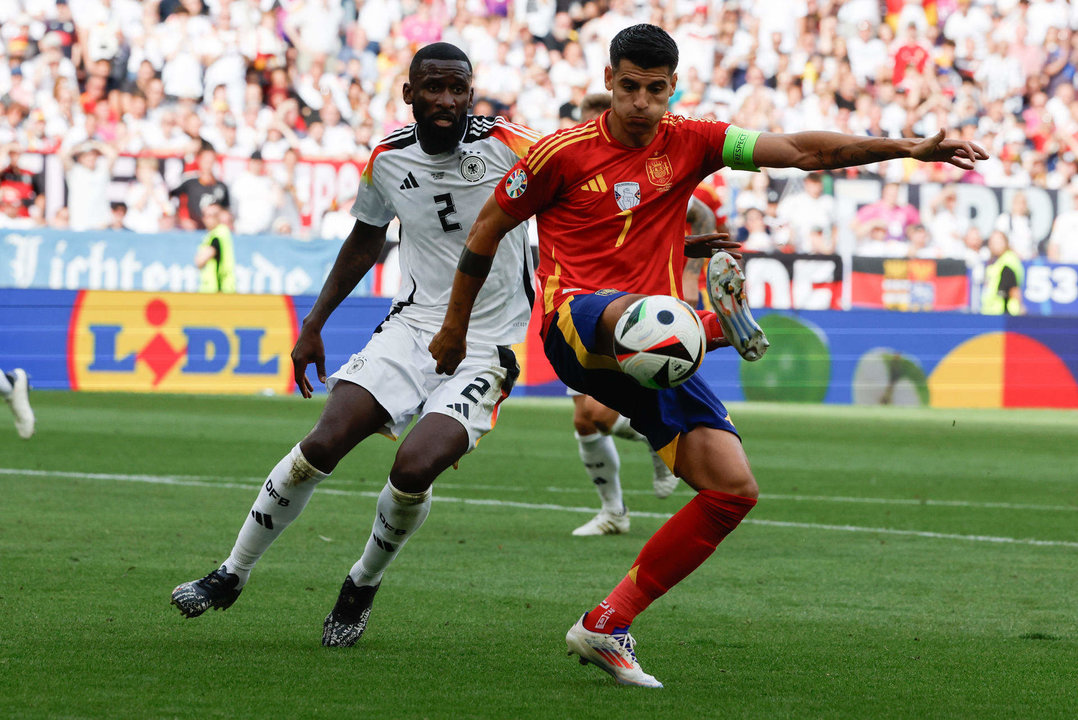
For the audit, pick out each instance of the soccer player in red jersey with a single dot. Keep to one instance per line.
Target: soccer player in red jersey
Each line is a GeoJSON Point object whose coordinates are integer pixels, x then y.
{"type": "Point", "coordinates": [610, 199]}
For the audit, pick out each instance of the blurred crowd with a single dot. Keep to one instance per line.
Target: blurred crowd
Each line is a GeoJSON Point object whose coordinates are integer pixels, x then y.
{"type": "Point", "coordinates": [278, 82]}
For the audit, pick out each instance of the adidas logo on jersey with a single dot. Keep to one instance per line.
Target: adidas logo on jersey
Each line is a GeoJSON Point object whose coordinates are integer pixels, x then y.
{"type": "Point", "coordinates": [409, 182]}
{"type": "Point", "coordinates": [461, 408]}
{"type": "Point", "coordinates": [596, 184]}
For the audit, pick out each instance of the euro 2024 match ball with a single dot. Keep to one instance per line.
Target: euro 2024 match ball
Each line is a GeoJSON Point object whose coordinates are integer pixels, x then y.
{"type": "Point", "coordinates": [659, 341]}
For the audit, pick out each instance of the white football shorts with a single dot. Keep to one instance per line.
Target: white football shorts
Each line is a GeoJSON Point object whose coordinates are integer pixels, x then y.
{"type": "Point", "coordinates": [397, 369]}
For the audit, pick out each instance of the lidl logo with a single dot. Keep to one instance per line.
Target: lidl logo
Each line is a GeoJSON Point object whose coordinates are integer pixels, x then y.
{"type": "Point", "coordinates": [182, 343]}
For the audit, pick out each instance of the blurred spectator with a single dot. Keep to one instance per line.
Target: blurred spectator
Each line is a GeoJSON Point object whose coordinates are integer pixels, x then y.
{"type": "Point", "coordinates": [756, 195]}
{"type": "Point", "coordinates": [89, 171]}
{"type": "Point", "coordinates": [875, 240]}
{"type": "Point", "coordinates": [946, 226]}
{"type": "Point", "coordinates": [1065, 170]}
{"type": "Point", "coordinates": [338, 138]}
{"type": "Point", "coordinates": [292, 208]}
{"type": "Point", "coordinates": [314, 27]}
{"type": "Point", "coordinates": [117, 220]}
{"type": "Point", "coordinates": [967, 21]}
{"type": "Point", "coordinates": [147, 199]}
{"type": "Point", "coordinates": [199, 190]}
{"type": "Point", "coordinates": [215, 257]}
{"type": "Point", "coordinates": [821, 241]}
{"type": "Point", "coordinates": [866, 52]}
{"type": "Point", "coordinates": [1001, 293]}
{"type": "Point", "coordinates": [17, 184]}
{"type": "Point", "coordinates": [918, 242]}
{"type": "Point", "coordinates": [257, 198]}
{"type": "Point", "coordinates": [337, 221]}
{"type": "Point", "coordinates": [1017, 225]}
{"type": "Point", "coordinates": [909, 57]}
{"type": "Point", "coordinates": [753, 234]}
{"type": "Point", "coordinates": [13, 215]}
{"type": "Point", "coordinates": [1063, 242]}
{"type": "Point", "coordinates": [894, 216]}
{"type": "Point", "coordinates": [807, 211]}
{"type": "Point", "coordinates": [976, 253]}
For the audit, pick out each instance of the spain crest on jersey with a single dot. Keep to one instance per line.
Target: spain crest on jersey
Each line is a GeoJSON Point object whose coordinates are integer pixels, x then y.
{"type": "Point", "coordinates": [660, 171]}
{"type": "Point", "coordinates": [627, 194]}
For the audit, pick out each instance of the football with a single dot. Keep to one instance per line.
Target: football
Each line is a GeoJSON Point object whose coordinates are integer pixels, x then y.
{"type": "Point", "coordinates": [659, 341]}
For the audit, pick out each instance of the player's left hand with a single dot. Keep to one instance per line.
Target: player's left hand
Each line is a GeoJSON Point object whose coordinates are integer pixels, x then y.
{"type": "Point", "coordinates": [448, 349]}
{"type": "Point", "coordinates": [704, 246]}
{"type": "Point", "coordinates": [938, 148]}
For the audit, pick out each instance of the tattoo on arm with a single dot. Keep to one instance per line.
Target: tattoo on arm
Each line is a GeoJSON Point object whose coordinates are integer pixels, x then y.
{"type": "Point", "coordinates": [861, 152]}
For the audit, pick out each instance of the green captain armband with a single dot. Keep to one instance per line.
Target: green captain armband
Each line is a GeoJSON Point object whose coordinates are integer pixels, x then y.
{"type": "Point", "coordinates": [737, 149]}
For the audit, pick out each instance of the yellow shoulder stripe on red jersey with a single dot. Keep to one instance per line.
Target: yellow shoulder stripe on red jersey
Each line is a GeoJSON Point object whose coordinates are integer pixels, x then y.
{"type": "Point", "coordinates": [541, 148]}
{"type": "Point", "coordinates": [543, 151]}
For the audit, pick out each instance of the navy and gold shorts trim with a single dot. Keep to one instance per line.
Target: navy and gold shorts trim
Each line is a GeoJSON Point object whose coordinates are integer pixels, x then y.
{"type": "Point", "coordinates": [661, 416]}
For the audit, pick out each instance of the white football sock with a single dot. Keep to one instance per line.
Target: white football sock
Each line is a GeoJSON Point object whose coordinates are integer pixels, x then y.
{"type": "Point", "coordinates": [602, 463]}
{"type": "Point", "coordinates": [622, 429]}
{"type": "Point", "coordinates": [398, 516]}
{"type": "Point", "coordinates": [280, 500]}
{"type": "Point", "coordinates": [5, 384]}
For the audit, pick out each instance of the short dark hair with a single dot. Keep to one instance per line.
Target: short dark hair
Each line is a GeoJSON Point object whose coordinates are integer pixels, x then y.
{"type": "Point", "coordinates": [645, 45]}
{"type": "Point", "coordinates": [437, 51]}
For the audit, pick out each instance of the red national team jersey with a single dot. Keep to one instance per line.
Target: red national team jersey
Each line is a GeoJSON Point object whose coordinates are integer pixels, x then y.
{"type": "Point", "coordinates": [611, 216]}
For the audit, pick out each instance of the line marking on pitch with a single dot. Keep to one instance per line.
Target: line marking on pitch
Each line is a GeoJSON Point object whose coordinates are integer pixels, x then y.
{"type": "Point", "coordinates": [254, 483]}
{"type": "Point", "coordinates": [585, 489]}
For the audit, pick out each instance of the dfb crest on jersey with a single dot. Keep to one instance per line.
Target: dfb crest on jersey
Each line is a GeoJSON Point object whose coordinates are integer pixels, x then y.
{"type": "Point", "coordinates": [627, 194]}
{"type": "Point", "coordinates": [472, 168]}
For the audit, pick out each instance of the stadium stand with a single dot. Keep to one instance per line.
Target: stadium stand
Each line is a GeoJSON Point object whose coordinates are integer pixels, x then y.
{"type": "Point", "coordinates": [316, 81]}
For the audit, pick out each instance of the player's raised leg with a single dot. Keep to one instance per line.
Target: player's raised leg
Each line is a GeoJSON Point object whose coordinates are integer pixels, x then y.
{"type": "Point", "coordinates": [351, 414]}
{"type": "Point", "coordinates": [15, 389]}
{"type": "Point", "coordinates": [726, 288]}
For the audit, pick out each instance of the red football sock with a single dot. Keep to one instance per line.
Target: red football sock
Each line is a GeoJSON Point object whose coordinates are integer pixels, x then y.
{"type": "Point", "coordinates": [678, 548]}
{"type": "Point", "coordinates": [712, 329]}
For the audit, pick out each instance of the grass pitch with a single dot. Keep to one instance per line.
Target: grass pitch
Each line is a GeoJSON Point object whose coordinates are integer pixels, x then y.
{"type": "Point", "coordinates": [900, 564]}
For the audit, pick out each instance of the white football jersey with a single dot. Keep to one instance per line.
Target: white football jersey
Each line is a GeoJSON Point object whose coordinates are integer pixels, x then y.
{"type": "Point", "coordinates": [437, 198]}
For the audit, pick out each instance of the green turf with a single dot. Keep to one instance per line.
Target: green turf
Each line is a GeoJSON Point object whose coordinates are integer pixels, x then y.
{"type": "Point", "coordinates": [814, 608]}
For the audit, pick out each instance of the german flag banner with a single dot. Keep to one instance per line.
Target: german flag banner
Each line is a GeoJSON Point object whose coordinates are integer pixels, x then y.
{"type": "Point", "coordinates": [918, 284]}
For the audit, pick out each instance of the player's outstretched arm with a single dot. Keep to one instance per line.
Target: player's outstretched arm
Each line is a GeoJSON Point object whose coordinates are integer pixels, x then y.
{"type": "Point", "coordinates": [357, 255]}
{"type": "Point", "coordinates": [448, 346]}
{"type": "Point", "coordinates": [817, 150]}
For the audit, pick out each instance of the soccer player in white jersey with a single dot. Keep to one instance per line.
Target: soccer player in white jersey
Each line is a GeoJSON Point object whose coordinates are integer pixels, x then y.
{"type": "Point", "coordinates": [435, 176]}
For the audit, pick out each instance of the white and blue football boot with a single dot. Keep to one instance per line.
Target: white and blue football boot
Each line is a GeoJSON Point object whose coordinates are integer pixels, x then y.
{"type": "Point", "coordinates": [614, 653]}
{"type": "Point", "coordinates": [726, 288]}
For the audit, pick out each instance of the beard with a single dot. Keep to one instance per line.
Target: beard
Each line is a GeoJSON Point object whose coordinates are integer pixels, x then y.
{"type": "Point", "coordinates": [436, 138]}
